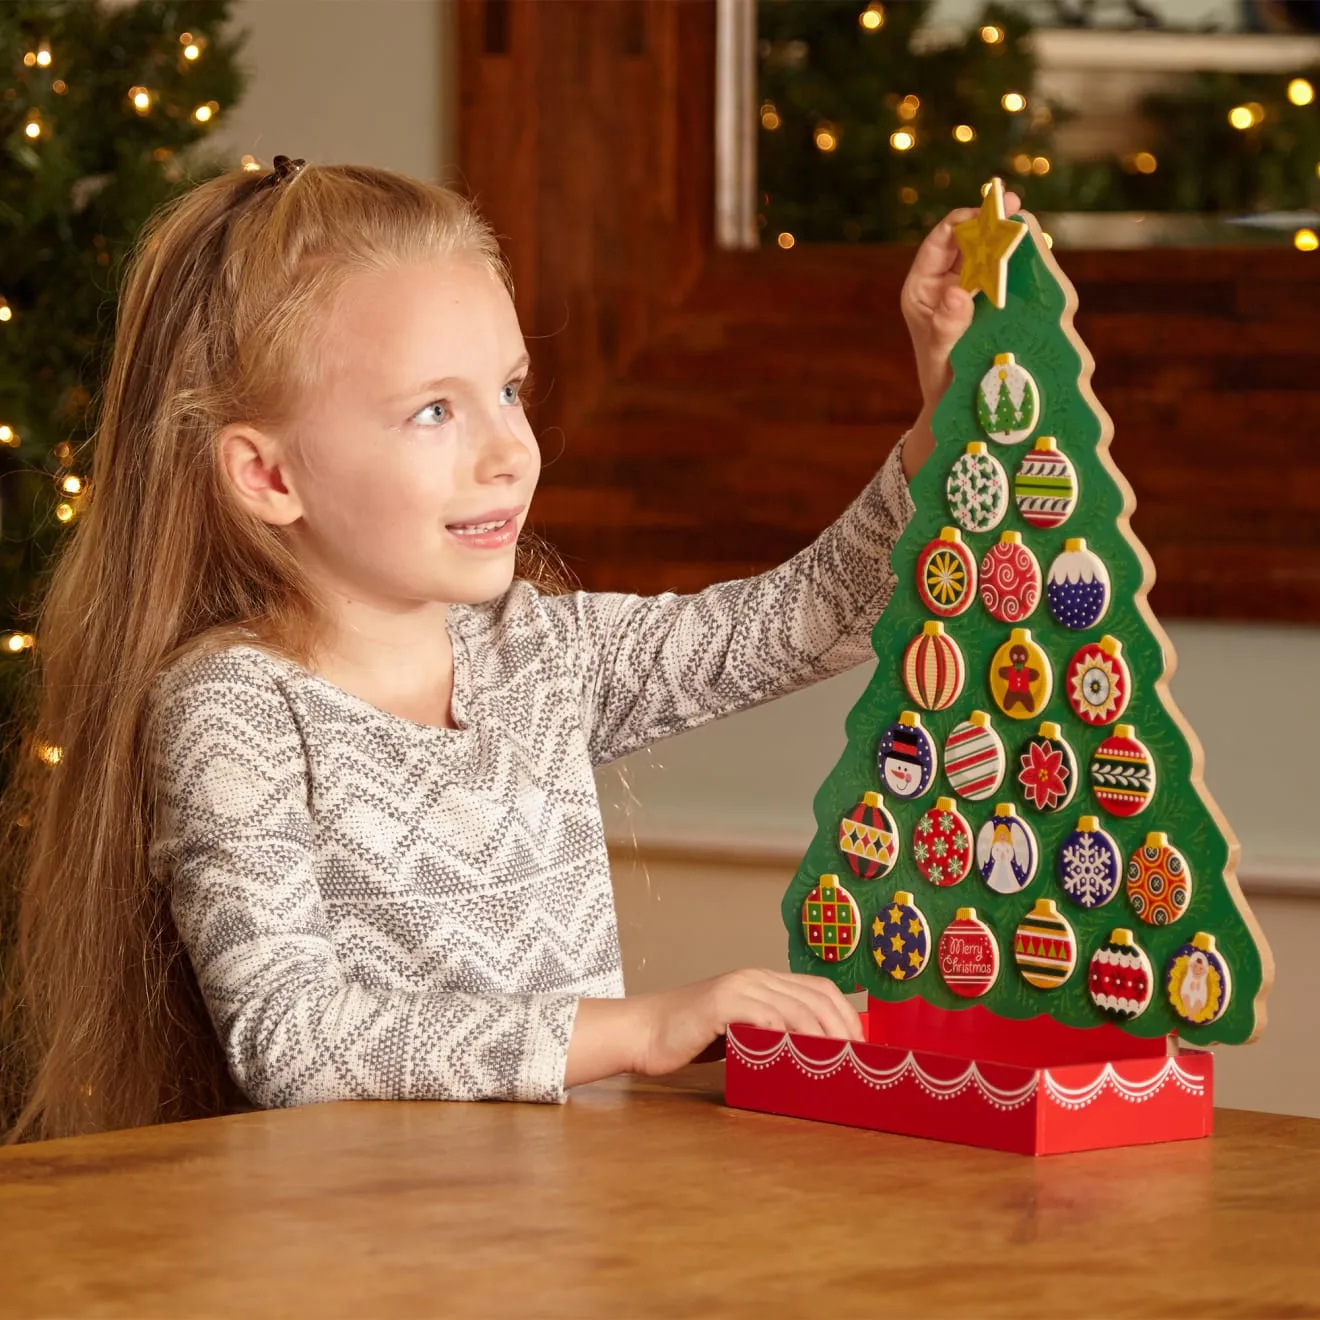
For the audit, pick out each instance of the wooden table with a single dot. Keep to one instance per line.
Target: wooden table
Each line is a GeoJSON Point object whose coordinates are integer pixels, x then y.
{"type": "Point", "coordinates": [642, 1199]}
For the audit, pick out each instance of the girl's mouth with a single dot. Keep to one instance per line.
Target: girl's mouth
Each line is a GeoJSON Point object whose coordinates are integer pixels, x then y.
{"type": "Point", "coordinates": [494, 531]}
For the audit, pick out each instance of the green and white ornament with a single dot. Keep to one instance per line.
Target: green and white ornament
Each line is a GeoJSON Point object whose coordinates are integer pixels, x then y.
{"type": "Point", "coordinates": [977, 490]}
{"type": "Point", "coordinates": [1008, 402]}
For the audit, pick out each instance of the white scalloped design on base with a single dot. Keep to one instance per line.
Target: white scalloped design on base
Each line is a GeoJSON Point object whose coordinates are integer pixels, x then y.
{"type": "Point", "coordinates": [882, 1079]}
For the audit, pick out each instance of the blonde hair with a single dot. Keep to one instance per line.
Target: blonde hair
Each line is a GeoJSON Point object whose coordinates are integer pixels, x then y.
{"type": "Point", "coordinates": [103, 1023]}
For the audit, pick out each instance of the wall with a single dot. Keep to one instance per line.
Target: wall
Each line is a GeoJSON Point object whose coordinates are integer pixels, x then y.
{"type": "Point", "coordinates": [340, 81]}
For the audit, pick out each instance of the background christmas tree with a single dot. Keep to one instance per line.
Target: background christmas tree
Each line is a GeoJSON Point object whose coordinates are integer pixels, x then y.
{"type": "Point", "coordinates": [998, 669]}
{"type": "Point", "coordinates": [102, 114]}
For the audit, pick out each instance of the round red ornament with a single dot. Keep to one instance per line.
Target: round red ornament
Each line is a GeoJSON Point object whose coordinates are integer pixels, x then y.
{"type": "Point", "coordinates": [831, 921]}
{"type": "Point", "coordinates": [1098, 682]}
{"type": "Point", "coordinates": [968, 955]}
{"type": "Point", "coordinates": [933, 668]}
{"type": "Point", "coordinates": [942, 843]}
{"type": "Point", "coordinates": [946, 575]}
{"type": "Point", "coordinates": [1123, 773]}
{"type": "Point", "coordinates": [1159, 881]}
{"type": "Point", "coordinates": [1010, 579]}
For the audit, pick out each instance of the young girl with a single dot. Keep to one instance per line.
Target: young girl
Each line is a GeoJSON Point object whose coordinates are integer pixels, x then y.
{"type": "Point", "coordinates": [322, 823]}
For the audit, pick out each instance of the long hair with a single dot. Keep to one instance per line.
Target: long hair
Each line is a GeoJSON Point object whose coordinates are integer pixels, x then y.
{"type": "Point", "coordinates": [217, 321]}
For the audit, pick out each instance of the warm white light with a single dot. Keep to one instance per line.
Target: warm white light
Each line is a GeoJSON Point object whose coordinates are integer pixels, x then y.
{"type": "Point", "coordinates": [202, 113]}
{"type": "Point", "coordinates": [964, 132]}
{"type": "Point", "coordinates": [1145, 162]}
{"type": "Point", "coordinates": [6, 312]}
{"type": "Point", "coordinates": [872, 18]}
{"type": "Point", "coordinates": [1013, 102]}
{"type": "Point", "coordinates": [8, 436]}
{"type": "Point", "coordinates": [786, 241]}
{"type": "Point", "coordinates": [1306, 240]}
{"type": "Point", "coordinates": [770, 117]}
{"type": "Point", "coordinates": [64, 512]}
{"type": "Point", "coordinates": [902, 140]}
{"type": "Point", "coordinates": [1040, 165]}
{"type": "Point", "coordinates": [250, 163]}
{"type": "Point", "coordinates": [992, 35]}
{"type": "Point", "coordinates": [192, 52]}
{"type": "Point", "coordinates": [72, 484]}
{"type": "Point", "coordinates": [32, 128]}
{"type": "Point", "coordinates": [43, 56]}
{"type": "Point", "coordinates": [1300, 92]}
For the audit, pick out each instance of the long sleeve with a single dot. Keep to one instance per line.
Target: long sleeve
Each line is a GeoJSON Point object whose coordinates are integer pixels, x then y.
{"type": "Point", "coordinates": [234, 840]}
{"type": "Point", "coordinates": [654, 666]}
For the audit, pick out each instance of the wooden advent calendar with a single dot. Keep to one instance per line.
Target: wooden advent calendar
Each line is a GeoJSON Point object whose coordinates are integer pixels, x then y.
{"type": "Point", "coordinates": [1015, 856]}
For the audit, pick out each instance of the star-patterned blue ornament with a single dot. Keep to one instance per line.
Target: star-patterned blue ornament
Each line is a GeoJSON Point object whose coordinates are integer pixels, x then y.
{"type": "Point", "coordinates": [900, 938]}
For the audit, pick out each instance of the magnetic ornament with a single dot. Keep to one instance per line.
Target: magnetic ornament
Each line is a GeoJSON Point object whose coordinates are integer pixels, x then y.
{"type": "Point", "coordinates": [906, 758]}
{"type": "Point", "coordinates": [977, 489]}
{"type": "Point", "coordinates": [900, 938]}
{"type": "Point", "coordinates": [868, 838]}
{"type": "Point", "coordinates": [946, 574]}
{"type": "Point", "coordinates": [1021, 680]}
{"type": "Point", "coordinates": [968, 955]}
{"type": "Point", "coordinates": [986, 242]}
{"type": "Point", "coordinates": [1010, 579]}
{"type": "Point", "coordinates": [1098, 682]}
{"type": "Point", "coordinates": [830, 921]}
{"type": "Point", "coordinates": [1008, 401]}
{"type": "Point", "coordinates": [1045, 487]}
{"type": "Point", "coordinates": [1006, 853]}
{"type": "Point", "coordinates": [1089, 864]}
{"type": "Point", "coordinates": [1047, 769]}
{"type": "Point", "coordinates": [942, 843]}
{"type": "Point", "coordinates": [1044, 946]}
{"type": "Point", "coordinates": [974, 758]}
{"type": "Point", "coordinates": [933, 668]}
{"type": "Point", "coordinates": [1077, 589]}
{"type": "Point", "coordinates": [1121, 980]}
{"type": "Point", "coordinates": [1197, 981]}
{"type": "Point", "coordinates": [1159, 882]}
{"type": "Point", "coordinates": [1123, 773]}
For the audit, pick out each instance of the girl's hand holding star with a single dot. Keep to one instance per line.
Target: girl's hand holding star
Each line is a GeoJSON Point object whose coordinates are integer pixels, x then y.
{"type": "Point", "coordinates": [937, 311]}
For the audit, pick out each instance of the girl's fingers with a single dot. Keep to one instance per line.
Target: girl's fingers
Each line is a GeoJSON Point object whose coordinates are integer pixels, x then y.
{"type": "Point", "coordinates": [827, 999]}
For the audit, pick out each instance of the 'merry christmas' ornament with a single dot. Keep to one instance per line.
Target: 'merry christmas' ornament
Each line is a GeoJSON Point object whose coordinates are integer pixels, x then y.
{"type": "Point", "coordinates": [946, 575]}
{"type": "Point", "coordinates": [900, 938]}
{"type": "Point", "coordinates": [986, 242]}
{"type": "Point", "coordinates": [1045, 486]}
{"type": "Point", "coordinates": [1020, 676]}
{"type": "Point", "coordinates": [1197, 981]}
{"type": "Point", "coordinates": [968, 955]}
{"type": "Point", "coordinates": [1159, 884]}
{"type": "Point", "coordinates": [1010, 579]}
{"type": "Point", "coordinates": [1047, 769]}
{"type": "Point", "coordinates": [1078, 587]}
{"type": "Point", "coordinates": [1044, 946]}
{"type": "Point", "coordinates": [1090, 865]}
{"type": "Point", "coordinates": [977, 490]}
{"type": "Point", "coordinates": [933, 668]}
{"type": "Point", "coordinates": [942, 843]}
{"type": "Point", "coordinates": [1121, 980]}
{"type": "Point", "coordinates": [1098, 683]}
{"type": "Point", "coordinates": [907, 758]}
{"type": "Point", "coordinates": [830, 920]}
{"type": "Point", "coordinates": [1006, 854]}
{"type": "Point", "coordinates": [1123, 773]}
{"type": "Point", "coordinates": [868, 837]}
{"type": "Point", "coordinates": [974, 758]}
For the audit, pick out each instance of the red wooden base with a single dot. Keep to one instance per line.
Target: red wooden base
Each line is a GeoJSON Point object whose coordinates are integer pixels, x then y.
{"type": "Point", "coordinates": [1036, 1087]}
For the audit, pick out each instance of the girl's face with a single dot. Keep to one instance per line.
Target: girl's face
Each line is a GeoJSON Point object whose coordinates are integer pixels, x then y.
{"type": "Point", "coordinates": [414, 464]}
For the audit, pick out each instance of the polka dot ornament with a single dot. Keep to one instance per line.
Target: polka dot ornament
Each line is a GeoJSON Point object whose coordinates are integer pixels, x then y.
{"type": "Point", "coordinates": [1159, 883]}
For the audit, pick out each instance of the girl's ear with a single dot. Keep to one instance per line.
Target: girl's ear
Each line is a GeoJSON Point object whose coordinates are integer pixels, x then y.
{"type": "Point", "coordinates": [256, 466]}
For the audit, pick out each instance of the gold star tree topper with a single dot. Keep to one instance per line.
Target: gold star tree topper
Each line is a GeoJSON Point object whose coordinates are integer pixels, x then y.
{"type": "Point", "coordinates": [986, 242]}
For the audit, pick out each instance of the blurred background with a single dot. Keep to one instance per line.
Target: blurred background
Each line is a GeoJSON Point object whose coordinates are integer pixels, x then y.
{"type": "Point", "coordinates": [709, 207]}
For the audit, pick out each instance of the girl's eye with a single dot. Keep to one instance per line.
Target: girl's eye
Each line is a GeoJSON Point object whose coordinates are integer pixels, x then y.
{"type": "Point", "coordinates": [441, 411]}
{"type": "Point", "coordinates": [512, 393]}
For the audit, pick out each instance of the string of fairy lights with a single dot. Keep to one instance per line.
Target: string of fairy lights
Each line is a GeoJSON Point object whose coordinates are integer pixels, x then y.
{"type": "Point", "coordinates": [906, 136]}
{"type": "Point", "coordinates": [73, 488]}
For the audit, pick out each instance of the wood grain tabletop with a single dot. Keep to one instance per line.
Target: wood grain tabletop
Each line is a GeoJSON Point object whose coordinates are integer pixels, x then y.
{"type": "Point", "coordinates": [648, 1199]}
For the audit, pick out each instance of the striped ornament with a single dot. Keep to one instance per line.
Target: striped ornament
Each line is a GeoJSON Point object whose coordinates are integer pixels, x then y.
{"type": "Point", "coordinates": [933, 668]}
{"type": "Point", "coordinates": [1045, 486]}
{"type": "Point", "coordinates": [974, 758]}
{"type": "Point", "coordinates": [1045, 947]}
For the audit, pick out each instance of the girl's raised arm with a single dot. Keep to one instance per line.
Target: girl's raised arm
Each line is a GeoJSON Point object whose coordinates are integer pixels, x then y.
{"type": "Point", "coordinates": [654, 666]}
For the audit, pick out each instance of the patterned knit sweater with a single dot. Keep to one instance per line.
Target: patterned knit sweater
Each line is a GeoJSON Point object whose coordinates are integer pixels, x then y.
{"type": "Point", "coordinates": [381, 909]}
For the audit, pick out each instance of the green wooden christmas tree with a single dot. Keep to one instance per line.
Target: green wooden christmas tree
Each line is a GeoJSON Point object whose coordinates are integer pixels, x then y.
{"type": "Point", "coordinates": [1018, 819]}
